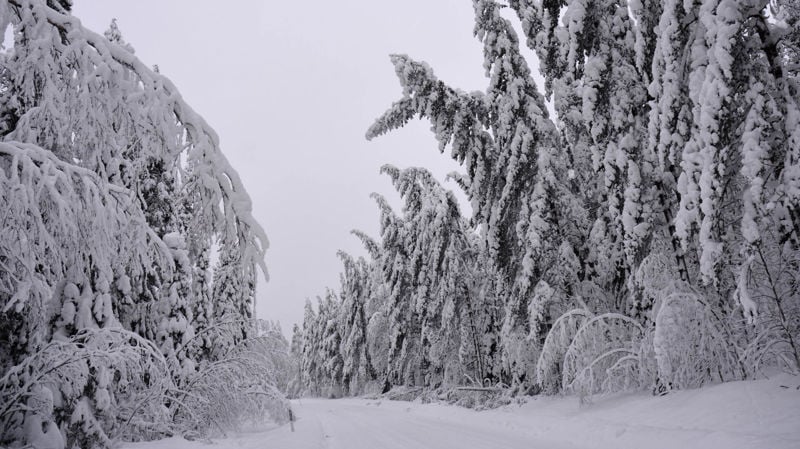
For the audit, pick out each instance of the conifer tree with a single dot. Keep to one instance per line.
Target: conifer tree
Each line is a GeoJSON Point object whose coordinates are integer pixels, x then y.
{"type": "Point", "coordinates": [355, 292]}
{"type": "Point", "coordinates": [114, 190]}
{"type": "Point", "coordinates": [311, 362]}
{"type": "Point", "coordinates": [666, 177]}
{"type": "Point", "coordinates": [509, 147]}
{"type": "Point", "coordinates": [330, 345]}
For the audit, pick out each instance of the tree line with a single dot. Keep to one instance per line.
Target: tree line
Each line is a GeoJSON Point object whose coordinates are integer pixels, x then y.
{"type": "Point", "coordinates": [636, 225]}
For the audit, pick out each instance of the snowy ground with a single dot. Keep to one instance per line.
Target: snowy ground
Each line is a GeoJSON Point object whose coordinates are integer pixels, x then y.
{"type": "Point", "coordinates": [761, 414]}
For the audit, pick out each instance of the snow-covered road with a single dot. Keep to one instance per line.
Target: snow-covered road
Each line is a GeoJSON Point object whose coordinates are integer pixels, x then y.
{"type": "Point", "coordinates": [357, 424]}
{"type": "Point", "coordinates": [737, 415]}
{"type": "Point", "coordinates": [375, 424]}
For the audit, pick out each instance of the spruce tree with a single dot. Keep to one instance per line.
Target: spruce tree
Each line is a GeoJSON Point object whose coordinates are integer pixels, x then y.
{"type": "Point", "coordinates": [114, 190]}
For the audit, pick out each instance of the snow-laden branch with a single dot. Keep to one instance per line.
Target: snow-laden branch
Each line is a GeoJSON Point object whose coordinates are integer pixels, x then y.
{"type": "Point", "coordinates": [58, 212]}
{"type": "Point", "coordinates": [209, 169]}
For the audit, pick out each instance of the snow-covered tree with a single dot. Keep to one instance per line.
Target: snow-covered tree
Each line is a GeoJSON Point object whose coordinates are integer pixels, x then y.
{"type": "Point", "coordinates": [418, 313]}
{"type": "Point", "coordinates": [310, 366]}
{"type": "Point", "coordinates": [435, 242]}
{"type": "Point", "coordinates": [295, 387]}
{"type": "Point", "coordinates": [355, 291]}
{"type": "Point", "coordinates": [113, 191]}
{"type": "Point", "coordinates": [517, 179]}
{"type": "Point", "coordinates": [65, 259]}
{"type": "Point", "coordinates": [243, 385]}
{"type": "Point", "coordinates": [668, 169]}
{"type": "Point", "coordinates": [503, 138]}
{"type": "Point", "coordinates": [330, 344]}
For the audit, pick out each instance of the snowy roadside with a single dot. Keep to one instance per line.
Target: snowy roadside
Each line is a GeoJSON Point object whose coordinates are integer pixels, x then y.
{"type": "Point", "coordinates": [758, 414]}
{"type": "Point", "coordinates": [737, 415]}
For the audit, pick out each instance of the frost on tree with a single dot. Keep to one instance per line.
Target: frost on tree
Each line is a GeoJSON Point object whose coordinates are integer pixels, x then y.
{"type": "Point", "coordinates": [113, 192]}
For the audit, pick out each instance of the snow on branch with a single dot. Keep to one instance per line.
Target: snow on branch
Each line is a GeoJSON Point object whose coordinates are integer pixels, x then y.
{"type": "Point", "coordinates": [372, 247]}
{"type": "Point", "coordinates": [692, 345]}
{"type": "Point", "coordinates": [596, 348]}
{"type": "Point", "coordinates": [559, 339]}
{"type": "Point", "coordinates": [452, 113]}
{"type": "Point", "coordinates": [110, 362]}
{"type": "Point", "coordinates": [63, 217]}
{"type": "Point", "coordinates": [208, 170]}
{"type": "Point", "coordinates": [240, 387]}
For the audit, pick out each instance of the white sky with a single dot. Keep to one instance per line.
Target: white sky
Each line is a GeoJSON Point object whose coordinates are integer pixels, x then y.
{"type": "Point", "coordinates": [291, 87]}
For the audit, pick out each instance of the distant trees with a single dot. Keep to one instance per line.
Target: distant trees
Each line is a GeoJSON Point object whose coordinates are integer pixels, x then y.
{"type": "Point", "coordinates": [114, 196]}
{"type": "Point", "coordinates": [404, 316]}
{"type": "Point", "coordinates": [645, 236]}
{"type": "Point", "coordinates": [355, 292]}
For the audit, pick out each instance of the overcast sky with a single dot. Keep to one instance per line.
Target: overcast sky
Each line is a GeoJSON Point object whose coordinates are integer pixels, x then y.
{"type": "Point", "coordinates": [291, 88]}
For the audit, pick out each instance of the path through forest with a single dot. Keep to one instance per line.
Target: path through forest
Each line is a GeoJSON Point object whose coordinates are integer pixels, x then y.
{"type": "Point", "coordinates": [395, 425]}
{"type": "Point", "coordinates": [736, 415]}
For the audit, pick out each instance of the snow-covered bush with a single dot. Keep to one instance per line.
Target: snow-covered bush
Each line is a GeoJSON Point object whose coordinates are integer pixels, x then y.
{"type": "Point", "coordinates": [99, 385]}
{"type": "Point", "coordinates": [693, 343]}
{"type": "Point", "coordinates": [519, 355]}
{"type": "Point", "coordinates": [243, 385]}
{"type": "Point", "coordinates": [685, 346]}
{"type": "Point", "coordinates": [769, 292]}
{"type": "Point", "coordinates": [656, 274]}
{"type": "Point", "coordinates": [378, 343]}
{"type": "Point", "coordinates": [605, 347]}
{"type": "Point", "coordinates": [549, 367]}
